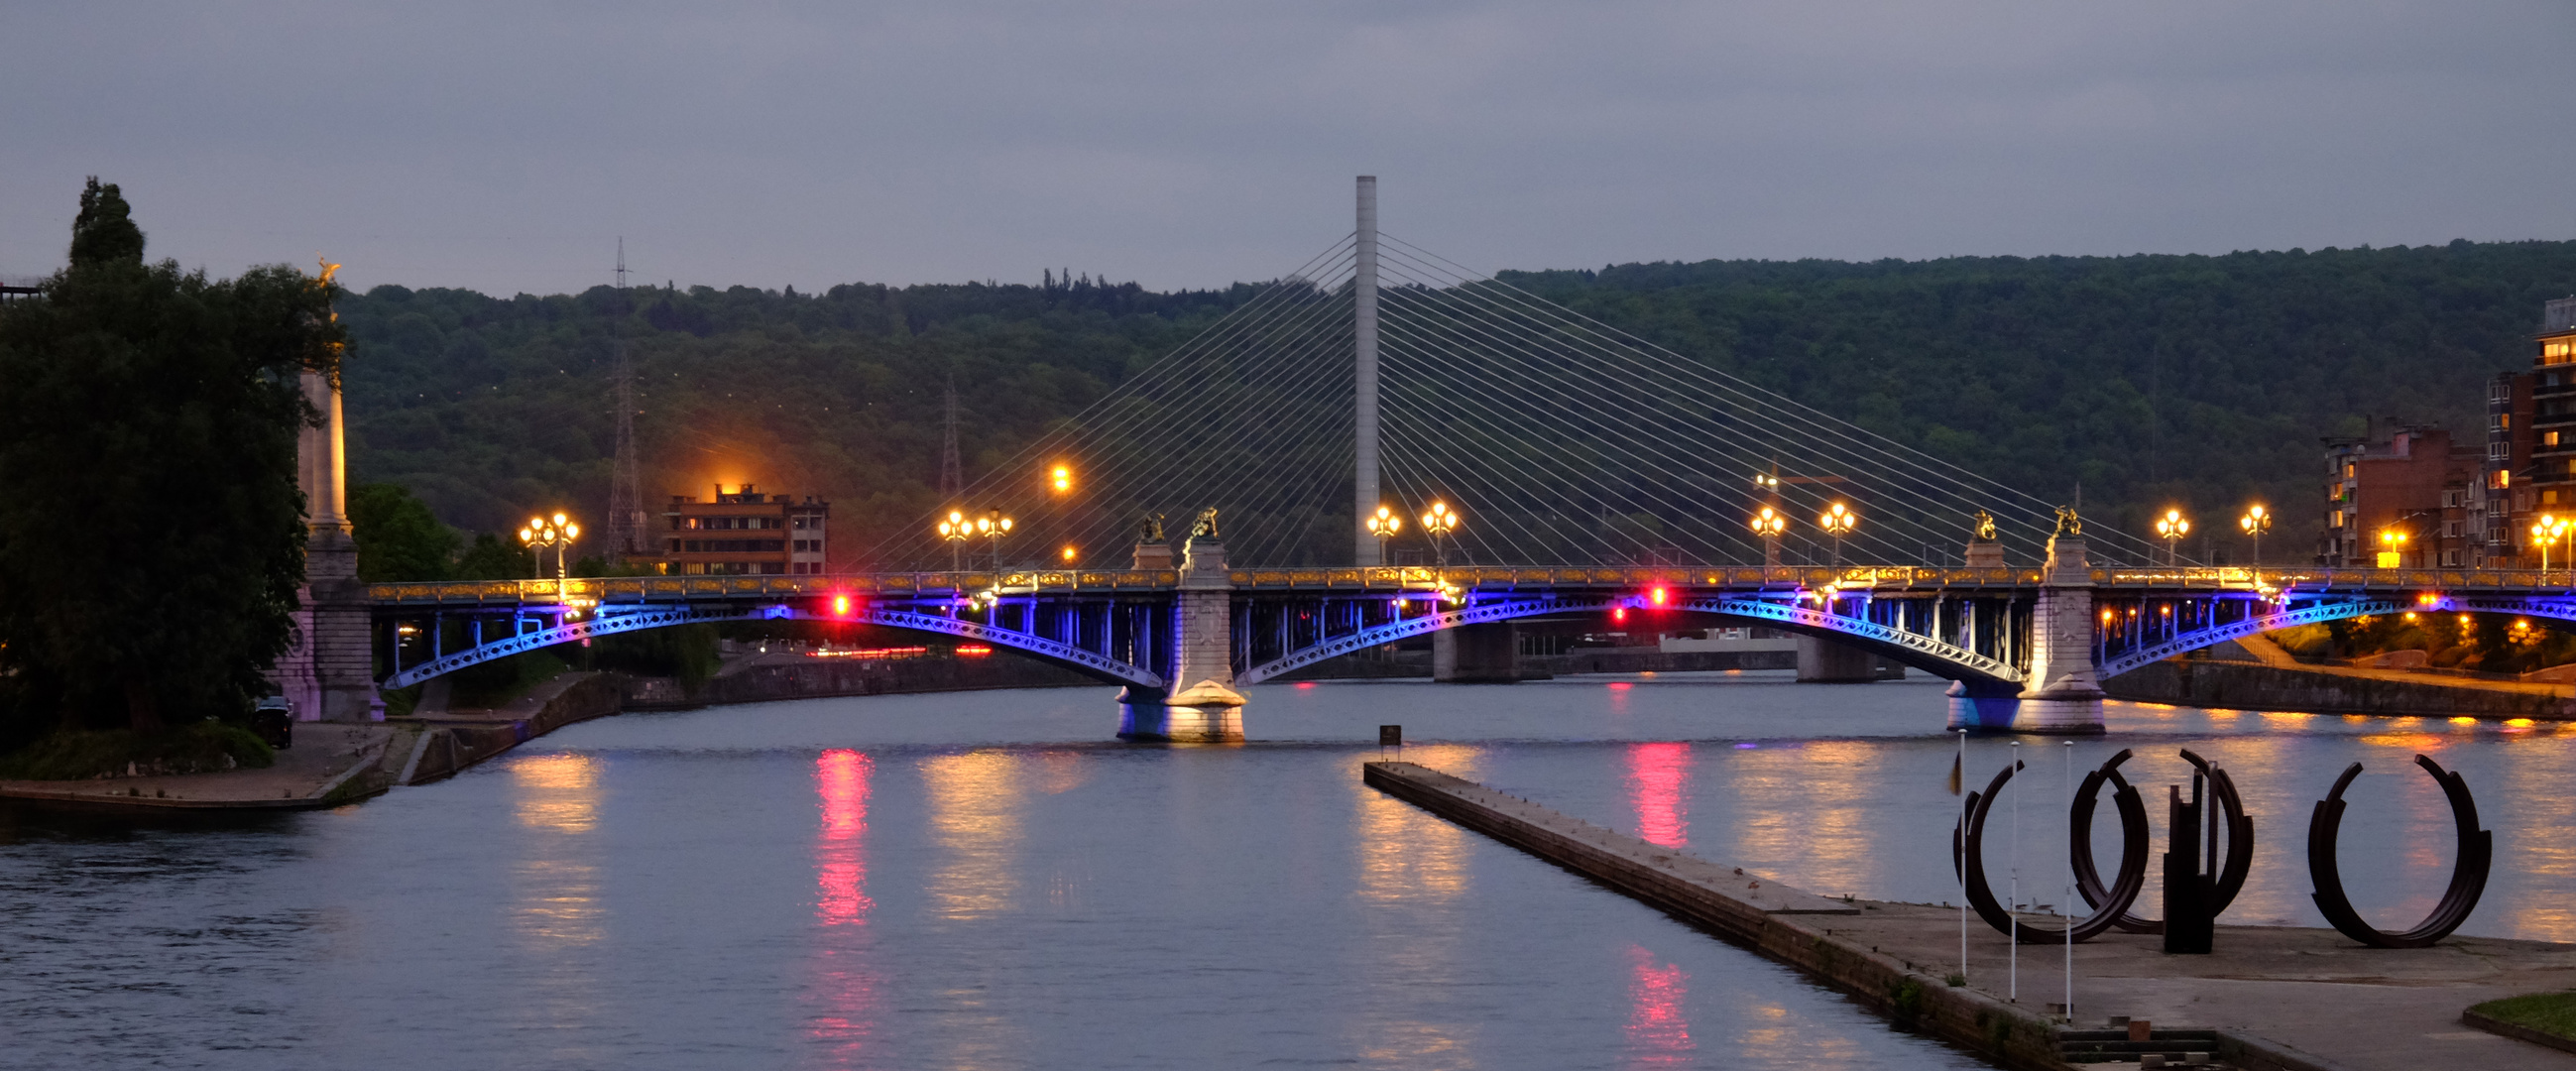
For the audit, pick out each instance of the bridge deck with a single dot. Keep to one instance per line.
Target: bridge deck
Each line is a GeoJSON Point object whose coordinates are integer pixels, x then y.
{"type": "Point", "coordinates": [1885, 579]}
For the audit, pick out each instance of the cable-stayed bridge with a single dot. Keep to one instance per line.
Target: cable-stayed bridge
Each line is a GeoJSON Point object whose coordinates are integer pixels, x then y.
{"type": "Point", "coordinates": [1596, 476]}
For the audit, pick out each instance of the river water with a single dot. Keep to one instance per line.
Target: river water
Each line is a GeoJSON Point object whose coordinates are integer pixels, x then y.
{"type": "Point", "coordinates": [979, 880]}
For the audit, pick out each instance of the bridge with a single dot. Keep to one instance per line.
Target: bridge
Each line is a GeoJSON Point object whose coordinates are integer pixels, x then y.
{"type": "Point", "coordinates": [1594, 475]}
{"type": "Point", "coordinates": [2026, 647]}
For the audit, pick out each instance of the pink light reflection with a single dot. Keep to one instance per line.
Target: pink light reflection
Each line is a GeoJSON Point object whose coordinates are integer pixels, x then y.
{"type": "Point", "coordinates": [840, 853]}
{"type": "Point", "coordinates": [1658, 1034]}
{"type": "Point", "coordinates": [1657, 775]}
{"type": "Point", "coordinates": [844, 986]}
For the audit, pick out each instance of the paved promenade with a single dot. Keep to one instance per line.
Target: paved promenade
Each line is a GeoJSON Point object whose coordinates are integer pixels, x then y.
{"type": "Point", "coordinates": [2288, 998]}
{"type": "Point", "coordinates": [318, 771]}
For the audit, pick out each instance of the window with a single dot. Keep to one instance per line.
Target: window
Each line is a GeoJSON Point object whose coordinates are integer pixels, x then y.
{"type": "Point", "coordinates": [2499, 421]}
{"type": "Point", "coordinates": [2548, 438]}
{"type": "Point", "coordinates": [2451, 559]}
{"type": "Point", "coordinates": [2334, 519]}
{"type": "Point", "coordinates": [2557, 351]}
{"type": "Point", "coordinates": [2348, 469]}
{"type": "Point", "coordinates": [2549, 498]}
{"type": "Point", "coordinates": [2450, 529]}
{"type": "Point", "coordinates": [773, 567]}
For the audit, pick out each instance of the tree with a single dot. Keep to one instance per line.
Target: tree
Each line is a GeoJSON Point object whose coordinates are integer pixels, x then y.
{"type": "Point", "coordinates": [151, 530]}
{"type": "Point", "coordinates": [492, 559]}
{"type": "Point", "coordinates": [398, 538]}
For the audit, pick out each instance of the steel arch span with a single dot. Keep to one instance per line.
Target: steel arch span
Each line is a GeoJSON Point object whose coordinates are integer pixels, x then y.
{"type": "Point", "coordinates": [609, 622]}
{"type": "Point", "coordinates": [1921, 650]}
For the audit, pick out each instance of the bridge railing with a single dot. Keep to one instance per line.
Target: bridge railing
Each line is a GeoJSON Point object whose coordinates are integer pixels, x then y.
{"type": "Point", "coordinates": [1884, 578]}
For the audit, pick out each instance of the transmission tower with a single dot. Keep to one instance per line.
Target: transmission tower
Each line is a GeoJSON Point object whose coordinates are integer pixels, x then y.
{"type": "Point", "coordinates": [626, 484]}
{"type": "Point", "coordinates": [952, 475]}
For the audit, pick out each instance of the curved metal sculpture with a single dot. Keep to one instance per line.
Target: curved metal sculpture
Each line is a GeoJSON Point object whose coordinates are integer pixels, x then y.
{"type": "Point", "coordinates": [1967, 852]}
{"type": "Point", "coordinates": [2088, 881]}
{"type": "Point", "coordinates": [2468, 872]}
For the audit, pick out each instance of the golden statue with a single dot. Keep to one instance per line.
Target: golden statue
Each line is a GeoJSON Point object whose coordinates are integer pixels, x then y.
{"type": "Point", "coordinates": [2068, 524]}
{"type": "Point", "coordinates": [1986, 528]}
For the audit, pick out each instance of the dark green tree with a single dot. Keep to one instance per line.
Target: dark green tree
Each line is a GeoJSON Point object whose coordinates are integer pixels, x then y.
{"type": "Point", "coordinates": [492, 558]}
{"type": "Point", "coordinates": [151, 530]}
{"type": "Point", "coordinates": [398, 538]}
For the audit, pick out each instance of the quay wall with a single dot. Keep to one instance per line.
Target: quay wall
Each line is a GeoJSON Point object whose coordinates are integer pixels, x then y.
{"type": "Point", "coordinates": [2252, 686]}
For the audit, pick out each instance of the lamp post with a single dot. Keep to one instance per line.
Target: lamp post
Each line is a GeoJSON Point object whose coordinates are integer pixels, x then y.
{"type": "Point", "coordinates": [956, 531]}
{"type": "Point", "coordinates": [2548, 529]}
{"type": "Point", "coordinates": [992, 524]}
{"type": "Point", "coordinates": [2171, 528]}
{"type": "Point", "coordinates": [1838, 520]}
{"type": "Point", "coordinates": [1440, 520]}
{"type": "Point", "coordinates": [1768, 525]}
{"type": "Point", "coordinates": [1384, 526]}
{"type": "Point", "coordinates": [2255, 522]}
{"type": "Point", "coordinates": [542, 532]}
{"type": "Point", "coordinates": [2392, 548]}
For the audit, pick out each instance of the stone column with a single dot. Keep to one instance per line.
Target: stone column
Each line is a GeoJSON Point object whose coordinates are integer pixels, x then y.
{"type": "Point", "coordinates": [1822, 661]}
{"type": "Point", "coordinates": [1476, 654]}
{"type": "Point", "coordinates": [328, 674]}
{"type": "Point", "coordinates": [2064, 694]}
{"type": "Point", "coordinates": [1206, 708]}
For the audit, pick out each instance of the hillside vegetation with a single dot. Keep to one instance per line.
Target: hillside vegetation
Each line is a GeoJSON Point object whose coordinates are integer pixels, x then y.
{"type": "Point", "coordinates": [2150, 380]}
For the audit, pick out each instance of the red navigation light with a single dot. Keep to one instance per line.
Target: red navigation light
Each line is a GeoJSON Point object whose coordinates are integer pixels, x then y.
{"type": "Point", "coordinates": [840, 606]}
{"type": "Point", "coordinates": [1658, 595]}
{"type": "Point", "coordinates": [1619, 615]}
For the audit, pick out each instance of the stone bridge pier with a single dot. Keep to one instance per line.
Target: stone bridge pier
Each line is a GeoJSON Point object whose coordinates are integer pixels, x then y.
{"type": "Point", "coordinates": [1489, 653]}
{"type": "Point", "coordinates": [1206, 709]}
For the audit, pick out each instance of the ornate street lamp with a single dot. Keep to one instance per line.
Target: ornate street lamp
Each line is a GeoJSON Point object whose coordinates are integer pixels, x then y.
{"type": "Point", "coordinates": [1769, 525]}
{"type": "Point", "coordinates": [1384, 526]}
{"type": "Point", "coordinates": [956, 531]}
{"type": "Point", "coordinates": [2254, 523]}
{"type": "Point", "coordinates": [2548, 529]}
{"type": "Point", "coordinates": [542, 532]}
{"type": "Point", "coordinates": [2171, 528]}
{"type": "Point", "coordinates": [1060, 479]}
{"type": "Point", "coordinates": [1440, 520]}
{"type": "Point", "coordinates": [992, 524]}
{"type": "Point", "coordinates": [1838, 520]}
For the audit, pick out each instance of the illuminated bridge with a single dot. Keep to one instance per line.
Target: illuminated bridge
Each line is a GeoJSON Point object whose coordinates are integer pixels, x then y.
{"type": "Point", "coordinates": [1566, 472]}
{"type": "Point", "coordinates": [2027, 647]}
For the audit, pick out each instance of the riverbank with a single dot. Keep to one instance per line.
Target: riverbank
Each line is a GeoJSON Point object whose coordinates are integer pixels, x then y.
{"type": "Point", "coordinates": [2264, 677]}
{"type": "Point", "coordinates": [2285, 998]}
{"type": "Point", "coordinates": [329, 765]}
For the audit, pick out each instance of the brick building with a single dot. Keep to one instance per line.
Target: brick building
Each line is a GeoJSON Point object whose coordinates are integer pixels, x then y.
{"type": "Point", "coordinates": [743, 531]}
{"type": "Point", "coordinates": [2417, 484]}
{"type": "Point", "coordinates": [2461, 506]}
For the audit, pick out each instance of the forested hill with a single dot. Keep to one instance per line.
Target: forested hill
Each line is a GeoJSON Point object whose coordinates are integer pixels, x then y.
{"type": "Point", "coordinates": [2152, 380]}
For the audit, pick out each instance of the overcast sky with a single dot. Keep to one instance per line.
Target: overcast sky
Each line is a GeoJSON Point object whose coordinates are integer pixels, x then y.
{"type": "Point", "coordinates": [506, 146]}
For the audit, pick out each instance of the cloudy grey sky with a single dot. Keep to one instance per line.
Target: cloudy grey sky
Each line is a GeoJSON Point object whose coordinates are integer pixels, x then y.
{"type": "Point", "coordinates": [506, 146]}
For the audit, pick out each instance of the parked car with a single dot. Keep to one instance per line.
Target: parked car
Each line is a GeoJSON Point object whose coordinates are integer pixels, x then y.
{"type": "Point", "coordinates": [274, 720]}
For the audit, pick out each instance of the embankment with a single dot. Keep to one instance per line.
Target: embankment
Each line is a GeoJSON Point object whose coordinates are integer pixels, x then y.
{"type": "Point", "coordinates": [2332, 690]}
{"type": "Point", "coordinates": [450, 743]}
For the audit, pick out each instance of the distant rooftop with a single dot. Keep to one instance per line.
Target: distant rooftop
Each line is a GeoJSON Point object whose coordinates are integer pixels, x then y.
{"type": "Point", "coordinates": [2558, 315]}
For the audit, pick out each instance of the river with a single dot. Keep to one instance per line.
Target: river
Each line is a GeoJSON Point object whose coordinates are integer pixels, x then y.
{"type": "Point", "coordinates": [980, 880]}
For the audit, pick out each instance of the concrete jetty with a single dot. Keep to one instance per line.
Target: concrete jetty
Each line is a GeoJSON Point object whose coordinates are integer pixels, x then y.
{"type": "Point", "coordinates": [2271, 998]}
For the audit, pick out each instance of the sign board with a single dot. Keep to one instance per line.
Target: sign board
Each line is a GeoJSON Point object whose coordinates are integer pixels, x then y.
{"type": "Point", "coordinates": [1390, 736]}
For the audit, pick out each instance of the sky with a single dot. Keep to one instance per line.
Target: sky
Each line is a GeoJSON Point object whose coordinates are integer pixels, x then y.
{"type": "Point", "coordinates": [507, 147]}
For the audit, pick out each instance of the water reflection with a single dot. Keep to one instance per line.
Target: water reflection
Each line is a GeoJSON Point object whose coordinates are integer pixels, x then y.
{"type": "Point", "coordinates": [845, 986]}
{"type": "Point", "coordinates": [1812, 802]}
{"type": "Point", "coordinates": [1657, 782]}
{"type": "Point", "coordinates": [1658, 1029]}
{"type": "Point", "coordinates": [1406, 852]}
{"type": "Point", "coordinates": [840, 852]}
{"type": "Point", "coordinates": [558, 878]}
{"type": "Point", "coordinates": [975, 823]}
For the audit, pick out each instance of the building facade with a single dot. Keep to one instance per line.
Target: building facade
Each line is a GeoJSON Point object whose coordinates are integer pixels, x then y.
{"type": "Point", "coordinates": [2460, 506]}
{"type": "Point", "coordinates": [744, 532]}
{"type": "Point", "coordinates": [2415, 495]}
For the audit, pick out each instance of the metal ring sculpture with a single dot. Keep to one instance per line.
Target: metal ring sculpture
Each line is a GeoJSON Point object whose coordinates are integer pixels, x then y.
{"type": "Point", "coordinates": [2088, 881]}
{"type": "Point", "coordinates": [2468, 872]}
{"type": "Point", "coordinates": [1967, 852]}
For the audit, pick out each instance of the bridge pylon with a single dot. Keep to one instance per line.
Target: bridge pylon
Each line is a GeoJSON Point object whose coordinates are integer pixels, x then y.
{"type": "Point", "coordinates": [1206, 709]}
{"type": "Point", "coordinates": [2065, 691]}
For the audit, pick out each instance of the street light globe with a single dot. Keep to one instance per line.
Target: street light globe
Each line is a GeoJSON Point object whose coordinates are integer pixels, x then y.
{"type": "Point", "coordinates": [1061, 478]}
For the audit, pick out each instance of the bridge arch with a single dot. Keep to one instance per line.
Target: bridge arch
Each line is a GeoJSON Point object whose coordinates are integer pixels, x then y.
{"type": "Point", "coordinates": [1779, 610]}
{"type": "Point", "coordinates": [1099, 667]}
